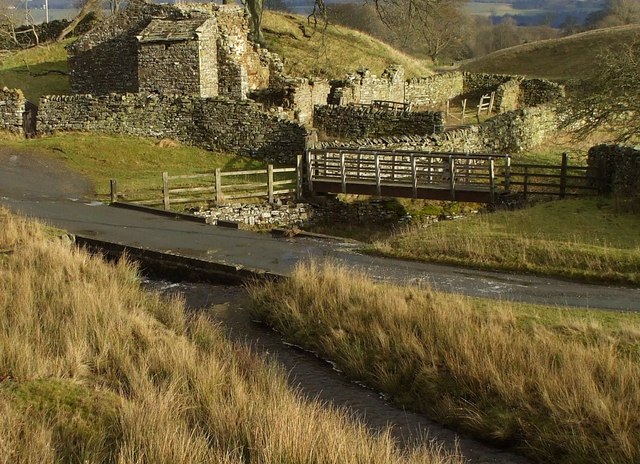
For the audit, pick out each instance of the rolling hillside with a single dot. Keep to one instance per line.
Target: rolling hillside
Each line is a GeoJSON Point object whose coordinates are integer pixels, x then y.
{"type": "Point", "coordinates": [332, 53]}
{"type": "Point", "coordinates": [560, 59]}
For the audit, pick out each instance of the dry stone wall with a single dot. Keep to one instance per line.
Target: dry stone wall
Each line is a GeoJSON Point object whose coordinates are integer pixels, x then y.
{"type": "Point", "coordinates": [211, 123]}
{"type": "Point", "coordinates": [352, 122]}
{"type": "Point", "coordinates": [619, 168]}
{"type": "Point", "coordinates": [506, 133]}
{"type": "Point", "coordinates": [364, 87]}
{"type": "Point", "coordinates": [434, 90]}
{"type": "Point", "coordinates": [12, 108]}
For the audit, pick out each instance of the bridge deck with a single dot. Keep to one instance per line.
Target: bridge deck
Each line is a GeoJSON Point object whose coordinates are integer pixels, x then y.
{"type": "Point", "coordinates": [436, 176]}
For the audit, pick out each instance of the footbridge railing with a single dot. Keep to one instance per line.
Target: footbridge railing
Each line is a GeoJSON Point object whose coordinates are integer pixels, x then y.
{"type": "Point", "coordinates": [403, 173]}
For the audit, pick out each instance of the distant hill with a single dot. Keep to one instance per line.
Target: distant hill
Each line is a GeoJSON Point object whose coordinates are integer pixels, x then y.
{"type": "Point", "coordinates": [560, 59]}
{"type": "Point", "coordinates": [331, 53]}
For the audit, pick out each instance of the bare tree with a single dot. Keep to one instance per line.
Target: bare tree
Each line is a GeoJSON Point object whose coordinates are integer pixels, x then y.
{"type": "Point", "coordinates": [608, 100]}
{"type": "Point", "coordinates": [443, 29]}
{"type": "Point", "coordinates": [89, 6]}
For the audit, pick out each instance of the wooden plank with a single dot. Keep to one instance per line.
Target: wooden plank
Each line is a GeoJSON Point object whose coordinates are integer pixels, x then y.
{"type": "Point", "coordinates": [192, 176]}
{"type": "Point", "coordinates": [299, 177]}
{"type": "Point", "coordinates": [244, 173]}
{"type": "Point", "coordinates": [192, 190]}
{"type": "Point", "coordinates": [276, 170]}
{"type": "Point", "coordinates": [452, 179]}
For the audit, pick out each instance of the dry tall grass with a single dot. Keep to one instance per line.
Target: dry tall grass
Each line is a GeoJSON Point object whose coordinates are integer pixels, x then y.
{"type": "Point", "coordinates": [562, 388]}
{"type": "Point", "coordinates": [92, 369]}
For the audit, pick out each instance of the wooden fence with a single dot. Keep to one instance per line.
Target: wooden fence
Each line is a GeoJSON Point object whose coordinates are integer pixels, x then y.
{"type": "Point", "coordinates": [557, 180]}
{"type": "Point", "coordinates": [223, 186]}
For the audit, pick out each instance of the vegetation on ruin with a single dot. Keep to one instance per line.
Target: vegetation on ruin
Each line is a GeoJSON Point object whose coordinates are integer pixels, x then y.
{"type": "Point", "coordinates": [566, 58]}
{"type": "Point", "coordinates": [561, 385]}
{"type": "Point", "coordinates": [590, 239]}
{"type": "Point", "coordinates": [93, 369]}
{"type": "Point", "coordinates": [136, 163]}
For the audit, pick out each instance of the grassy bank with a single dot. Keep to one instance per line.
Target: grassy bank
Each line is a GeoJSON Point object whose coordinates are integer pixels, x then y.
{"type": "Point", "coordinates": [593, 239]}
{"type": "Point", "coordinates": [333, 52]}
{"type": "Point", "coordinates": [562, 386]}
{"type": "Point", "coordinates": [37, 71]}
{"type": "Point", "coordinates": [565, 58]}
{"type": "Point", "coordinates": [93, 369]}
{"type": "Point", "coordinates": [137, 163]}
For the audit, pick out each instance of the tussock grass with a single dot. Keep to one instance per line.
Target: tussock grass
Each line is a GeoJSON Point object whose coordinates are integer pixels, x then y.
{"type": "Point", "coordinates": [564, 387]}
{"type": "Point", "coordinates": [583, 239]}
{"type": "Point", "coordinates": [93, 369]}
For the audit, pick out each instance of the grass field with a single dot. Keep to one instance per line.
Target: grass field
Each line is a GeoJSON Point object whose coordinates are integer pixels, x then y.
{"type": "Point", "coordinates": [36, 71]}
{"type": "Point", "coordinates": [136, 163]}
{"type": "Point", "coordinates": [93, 369]}
{"type": "Point", "coordinates": [561, 385]}
{"type": "Point", "coordinates": [562, 59]}
{"type": "Point", "coordinates": [591, 239]}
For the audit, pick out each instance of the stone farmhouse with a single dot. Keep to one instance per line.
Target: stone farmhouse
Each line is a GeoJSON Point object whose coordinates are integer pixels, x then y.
{"type": "Point", "coordinates": [190, 72]}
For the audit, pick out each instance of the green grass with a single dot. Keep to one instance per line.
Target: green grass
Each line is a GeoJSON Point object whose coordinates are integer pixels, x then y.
{"type": "Point", "coordinates": [565, 58]}
{"type": "Point", "coordinates": [334, 53]}
{"type": "Point", "coordinates": [561, 385]}
{"type": "Point", "coordinates": [30, 71]}
{"type": "Point", "coordinates": [136, 163]}
{"type": "Point", "coordinates": [589, 239]}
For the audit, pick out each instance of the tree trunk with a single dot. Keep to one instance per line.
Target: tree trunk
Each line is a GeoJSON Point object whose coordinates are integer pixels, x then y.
{"type": "Point", "coordinates": [87, 8]}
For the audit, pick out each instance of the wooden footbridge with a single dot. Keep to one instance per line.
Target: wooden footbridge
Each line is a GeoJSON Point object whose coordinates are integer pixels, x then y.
{"type": "Point", "coordinates": [476, 178]}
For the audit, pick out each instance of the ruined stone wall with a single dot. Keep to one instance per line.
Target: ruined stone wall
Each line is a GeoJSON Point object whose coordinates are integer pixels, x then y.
{"type": "Point", "coordinates": [211, 123]}
{"type": "Point", "coordinates": [506, 133]}
{"type": "Point", "coordinates": [619, 168]}
{"type": "Point", "coordinates": [477, 83]}
{"type": "Point", "coordinates": [508, 96]}
{"type": "Point", "coordinates": [160, 62]}
{"type": "Point", "coordinates": [242, 65]}
{"type": "Point", "coordinates": [434, 90]}
{"type": "Point", "coordinates": [12, 107]}
{"type": "Point", "coordinates": [364, 87]}
{"type": "Point", "coordinates": [352, 122]}
{"type": "Point", "coordinates": [295, 97]}
{"type": "Point", "coordinates": [536, 92]}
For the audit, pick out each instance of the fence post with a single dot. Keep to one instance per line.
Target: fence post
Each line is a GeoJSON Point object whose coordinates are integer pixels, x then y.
{"type": "Point", "coordinates": [414, 176]}
{"type": "Point", "coordinates": [563, 175]}
{"type": "Point", "coordinates": [299, 177]}
{"type": "Point", "coordinates": [218, 187]}
{"type": "Point", "coordinates": [376, 158]}
{"type": "Point", "coordinates": [165, 190]}
{"type": "Point", "coordinates": [464, 107]}
{"type": "Point", "coordinates": [507, 173]}
{"type": "Point", "coordinates": [270, 183]}
{"type": "Point", "coordinates": [492, 181]}
{"type": "Point", "coordinates": [452, 180]}
{"type": "Point", "coordinates": [343, 173]}
{"type": "Point", "coordinates": [114, 190]}
{"type": "Point", "coordinates": [309, 173]}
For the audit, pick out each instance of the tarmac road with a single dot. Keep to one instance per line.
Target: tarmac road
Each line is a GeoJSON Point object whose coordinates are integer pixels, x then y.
{"type": "Point", "coordinates": [42, 188]}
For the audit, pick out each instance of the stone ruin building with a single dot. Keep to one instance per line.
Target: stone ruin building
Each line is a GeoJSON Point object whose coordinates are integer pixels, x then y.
{"type": "Point", "coordinates": [190, 72]}
{"type": "Point", "coordinates": [196, 49]}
